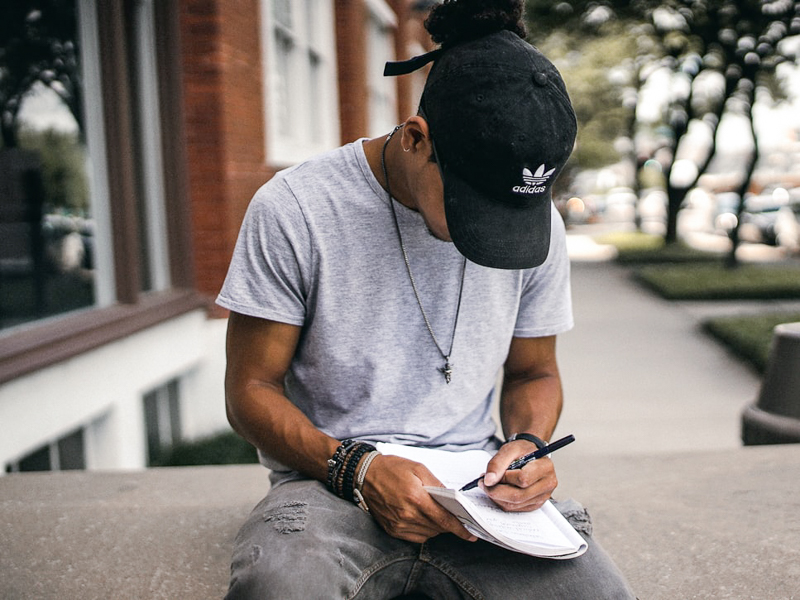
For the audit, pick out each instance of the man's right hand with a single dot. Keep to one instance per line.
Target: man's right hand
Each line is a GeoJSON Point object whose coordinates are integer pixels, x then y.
{"type": "Point", "coordinates": [395, 493]}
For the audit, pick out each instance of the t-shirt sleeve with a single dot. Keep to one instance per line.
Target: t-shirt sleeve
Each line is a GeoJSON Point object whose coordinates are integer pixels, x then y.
{"type": "Point", "coordinates": [546, 299]}
{"type": "Point", "coordinates": [271, 260]}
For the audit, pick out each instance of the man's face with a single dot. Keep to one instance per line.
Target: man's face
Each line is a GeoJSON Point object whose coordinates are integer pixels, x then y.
{"type": "Point", "coordinates": [431, 203]}
{"type": "Point", "coordinates": [428, 191]}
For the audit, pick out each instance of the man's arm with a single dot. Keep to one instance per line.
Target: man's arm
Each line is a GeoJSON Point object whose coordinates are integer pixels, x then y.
{"type": "Point", "coordinates": [259, 353]}
{"type": "Point", "coordinates": [531, 402]}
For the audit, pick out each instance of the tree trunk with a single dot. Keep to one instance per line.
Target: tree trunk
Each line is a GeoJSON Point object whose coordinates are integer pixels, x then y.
{"type": "Point", "coordinates": [732, 261]}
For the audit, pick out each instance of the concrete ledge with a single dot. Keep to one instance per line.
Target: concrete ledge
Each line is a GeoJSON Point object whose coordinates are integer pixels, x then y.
{"type": "Point", "coordinates": [718, 524]}
{"type": "Point", "coordinates": [688, 525]}
{"type": "Point", "coordinates": [160, 533]}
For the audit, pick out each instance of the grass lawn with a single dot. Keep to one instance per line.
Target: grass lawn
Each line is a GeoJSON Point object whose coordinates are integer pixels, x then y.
{"type": "Point", "coordinates": [635, 247]}
{"type": "Point", "coordinates": [749, 337]}
{"type": "Point", "coordinates": [713, 281]}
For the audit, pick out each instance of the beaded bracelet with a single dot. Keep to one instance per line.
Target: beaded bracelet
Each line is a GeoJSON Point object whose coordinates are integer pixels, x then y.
{"type": "Point", "coordinates": [336, 462]}
{"type": "Point", "coordinates": [353, 459]}
{"type": "Point", "coordinates": [342, 467]}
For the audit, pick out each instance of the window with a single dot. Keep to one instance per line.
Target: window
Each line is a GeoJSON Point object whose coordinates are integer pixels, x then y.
{"type": "Point", "coordinates": [95, 237]}
{"type": "Point", "coordinates": [47, 210]}
{"type": "Point", "coordinates": [162, 419]}
{"type": "Point", "coordinates": [66, 453]}
{"type": "Point", "coordinates": [57, 253]}
{"type": "Point", "coordinates": [300, 79]}
{"type": "Point", "coordinates": [380, 49]}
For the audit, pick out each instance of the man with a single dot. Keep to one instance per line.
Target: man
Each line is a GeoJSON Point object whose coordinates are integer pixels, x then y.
{"type": "Point", "coordinates": [356, 320]}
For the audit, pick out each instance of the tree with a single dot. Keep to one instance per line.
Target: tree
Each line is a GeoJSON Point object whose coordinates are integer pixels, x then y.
{"type": "Point", "coordinates": [37, 44]}
{"type": "Point", "coordinates": [732, 46]}
{"type": "Point", "coordinates": [595, 52]}
{"type": "Point", "coordinates": [716, 53]}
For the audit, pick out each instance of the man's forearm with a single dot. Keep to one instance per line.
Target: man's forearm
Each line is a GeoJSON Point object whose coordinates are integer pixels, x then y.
{"type": "Point", "coordinates": [531, 405]}
{"type": "Point", "coordinates": [270, 422]}
{"type": "Point", "coordinates": [259, 354]}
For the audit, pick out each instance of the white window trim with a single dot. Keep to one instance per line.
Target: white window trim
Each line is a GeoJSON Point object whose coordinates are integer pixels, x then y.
{"type": "Point", "coordinates": [152, 159]}
{"type": "Point", "coordinates": [281, 149]}
{"type": "Point", "coordinates": [382, 16]}
{"type": "Point", "coordinates": [382, 11]}
{"type": "Point", "coordinates": [105, 277]}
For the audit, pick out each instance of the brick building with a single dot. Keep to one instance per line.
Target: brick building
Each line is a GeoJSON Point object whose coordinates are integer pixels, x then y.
{"type": "Point", "coordinates": [178, 110]}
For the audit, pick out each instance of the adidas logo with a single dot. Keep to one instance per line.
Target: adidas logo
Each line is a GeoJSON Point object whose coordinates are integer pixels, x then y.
{"type": "Point", "coordinates": [534, 182]}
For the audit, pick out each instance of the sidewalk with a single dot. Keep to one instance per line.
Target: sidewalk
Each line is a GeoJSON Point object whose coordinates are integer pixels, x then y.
{"type": "Point", "coordinates": [640, 377]}
{"type": "Point", "coordinates": [656, 405]}
{"type": "Point", "coordinates": [639, 374]}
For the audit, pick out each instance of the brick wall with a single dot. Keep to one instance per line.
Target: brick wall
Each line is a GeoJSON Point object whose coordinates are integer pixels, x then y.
{"type": "Point", "coordinates": [224, 112]}
{"type": "Point", "coordinates": [224, 126]}
{"type": "Point", "coordinates": [351, 50]}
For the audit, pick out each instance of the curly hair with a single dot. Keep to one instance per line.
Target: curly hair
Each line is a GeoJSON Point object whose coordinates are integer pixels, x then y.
{"type": "Point", "coordinates": [456, 21]}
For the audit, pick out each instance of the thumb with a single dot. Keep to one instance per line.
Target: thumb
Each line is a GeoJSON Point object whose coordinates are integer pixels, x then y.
{"type": "Point", "coordinates": [492, 478]}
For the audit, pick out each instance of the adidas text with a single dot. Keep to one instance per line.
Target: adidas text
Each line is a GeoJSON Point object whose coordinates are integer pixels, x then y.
{"type": "Point", "coordinates": [529, 189]}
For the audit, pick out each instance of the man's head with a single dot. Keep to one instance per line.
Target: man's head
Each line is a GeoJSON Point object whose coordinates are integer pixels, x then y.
{"type": "Point", "coordinates": [502, 128]}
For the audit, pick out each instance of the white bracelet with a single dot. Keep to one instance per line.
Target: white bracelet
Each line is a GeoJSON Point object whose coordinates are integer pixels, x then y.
{"type": "Point", "coordinates": [362, 474]}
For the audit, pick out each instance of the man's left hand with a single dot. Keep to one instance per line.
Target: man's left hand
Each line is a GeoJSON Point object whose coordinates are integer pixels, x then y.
{"type": "Point", "coordinates": [519, 490]}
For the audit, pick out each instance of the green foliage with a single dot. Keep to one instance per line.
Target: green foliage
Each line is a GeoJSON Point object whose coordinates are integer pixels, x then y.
{"type": "Point", "coordinates": [713, 281]}
{"type": "Point", "coordinates": [587, 64]}
{"type": "Point", "coordinates": [632, 241]}
{"type": "Point", "coordinates": [749, 337]}
{"type": "Point", "coordinates": [635, 247]}
{"type": "Point", "coordinates": [63, 160]}
{"type": "Point", "coordinates": [222, 449]}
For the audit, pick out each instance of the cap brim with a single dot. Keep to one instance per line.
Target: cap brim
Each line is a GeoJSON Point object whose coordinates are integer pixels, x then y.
{"type": "Point", "coordinates": [501, 233]}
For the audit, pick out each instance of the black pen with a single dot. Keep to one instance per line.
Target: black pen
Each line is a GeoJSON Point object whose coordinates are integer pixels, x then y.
{"type": "Point", "coordinates": [524, 460]}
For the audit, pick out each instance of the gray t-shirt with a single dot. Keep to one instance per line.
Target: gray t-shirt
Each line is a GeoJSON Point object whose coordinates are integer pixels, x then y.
{"type": "Point", "coordinates": [319, 249]}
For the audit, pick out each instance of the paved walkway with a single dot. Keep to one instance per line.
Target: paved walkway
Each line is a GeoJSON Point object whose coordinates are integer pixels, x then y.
{"type": "Point", "coordinates": [639, 375]}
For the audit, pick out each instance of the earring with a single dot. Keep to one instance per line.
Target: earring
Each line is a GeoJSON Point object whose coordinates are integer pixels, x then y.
{"type": "Point", "coordinates": [406, 149]}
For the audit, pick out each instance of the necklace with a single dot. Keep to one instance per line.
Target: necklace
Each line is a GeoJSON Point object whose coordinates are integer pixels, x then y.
{"type": "Point", "coordinates": [447, 369]}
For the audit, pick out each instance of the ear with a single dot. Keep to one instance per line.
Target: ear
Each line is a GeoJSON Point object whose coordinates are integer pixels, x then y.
{"type": "Point", "coordinates": [416, 136]}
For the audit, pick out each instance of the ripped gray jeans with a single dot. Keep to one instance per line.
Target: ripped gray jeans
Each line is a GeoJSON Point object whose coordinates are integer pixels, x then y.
{"type": "Point", "coordinates": [303, 542]}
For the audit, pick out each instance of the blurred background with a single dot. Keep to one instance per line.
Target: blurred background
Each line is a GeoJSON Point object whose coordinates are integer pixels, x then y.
{"type": "Point", "coordinates": [135, 132]}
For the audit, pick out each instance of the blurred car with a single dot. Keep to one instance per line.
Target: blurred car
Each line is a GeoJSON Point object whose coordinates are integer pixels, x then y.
{"type": "Point", "coordinates": [771, 218]}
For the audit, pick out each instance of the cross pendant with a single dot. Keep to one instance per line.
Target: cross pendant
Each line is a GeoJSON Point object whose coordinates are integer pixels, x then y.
{"type": "Point", "coordinates": [447, 369]}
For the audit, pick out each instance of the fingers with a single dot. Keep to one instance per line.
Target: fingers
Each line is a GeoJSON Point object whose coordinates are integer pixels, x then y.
{"type": "Point", "coordinates": [498, 465]}
{"type": "Point", "coordinates": [523, 489]}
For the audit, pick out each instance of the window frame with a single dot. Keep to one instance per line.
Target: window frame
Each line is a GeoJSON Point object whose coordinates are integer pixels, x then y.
{"type": "Point", "coordinates": [125, 309]}
{"type": "Point", "coordinates": [284, 149]}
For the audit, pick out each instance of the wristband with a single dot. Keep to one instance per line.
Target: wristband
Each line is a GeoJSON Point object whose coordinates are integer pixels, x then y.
{"type": "Point", "coordinates": [540, 443]}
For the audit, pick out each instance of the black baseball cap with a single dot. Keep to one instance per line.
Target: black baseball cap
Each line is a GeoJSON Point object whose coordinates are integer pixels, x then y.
{"type": "Point", "coordinates": [502, 127]}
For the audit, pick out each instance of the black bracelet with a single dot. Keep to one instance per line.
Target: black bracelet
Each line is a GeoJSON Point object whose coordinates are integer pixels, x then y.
{"type": "Point", "coordinates": [348, 483]}
{"type": "Point", "coordinates": [342, 467]}
{"type": "Point", "coordinates": [336, 462]}
{"type": "Point", "coordinates": [540, 443]}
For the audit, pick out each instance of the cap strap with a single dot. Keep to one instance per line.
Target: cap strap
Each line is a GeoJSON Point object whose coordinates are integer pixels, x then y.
{"type": "Point", "coordinates": [404, 67]}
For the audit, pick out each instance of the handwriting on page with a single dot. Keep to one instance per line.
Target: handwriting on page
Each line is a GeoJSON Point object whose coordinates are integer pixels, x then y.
{"type": "Point", "coordinates": [525, 527]}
